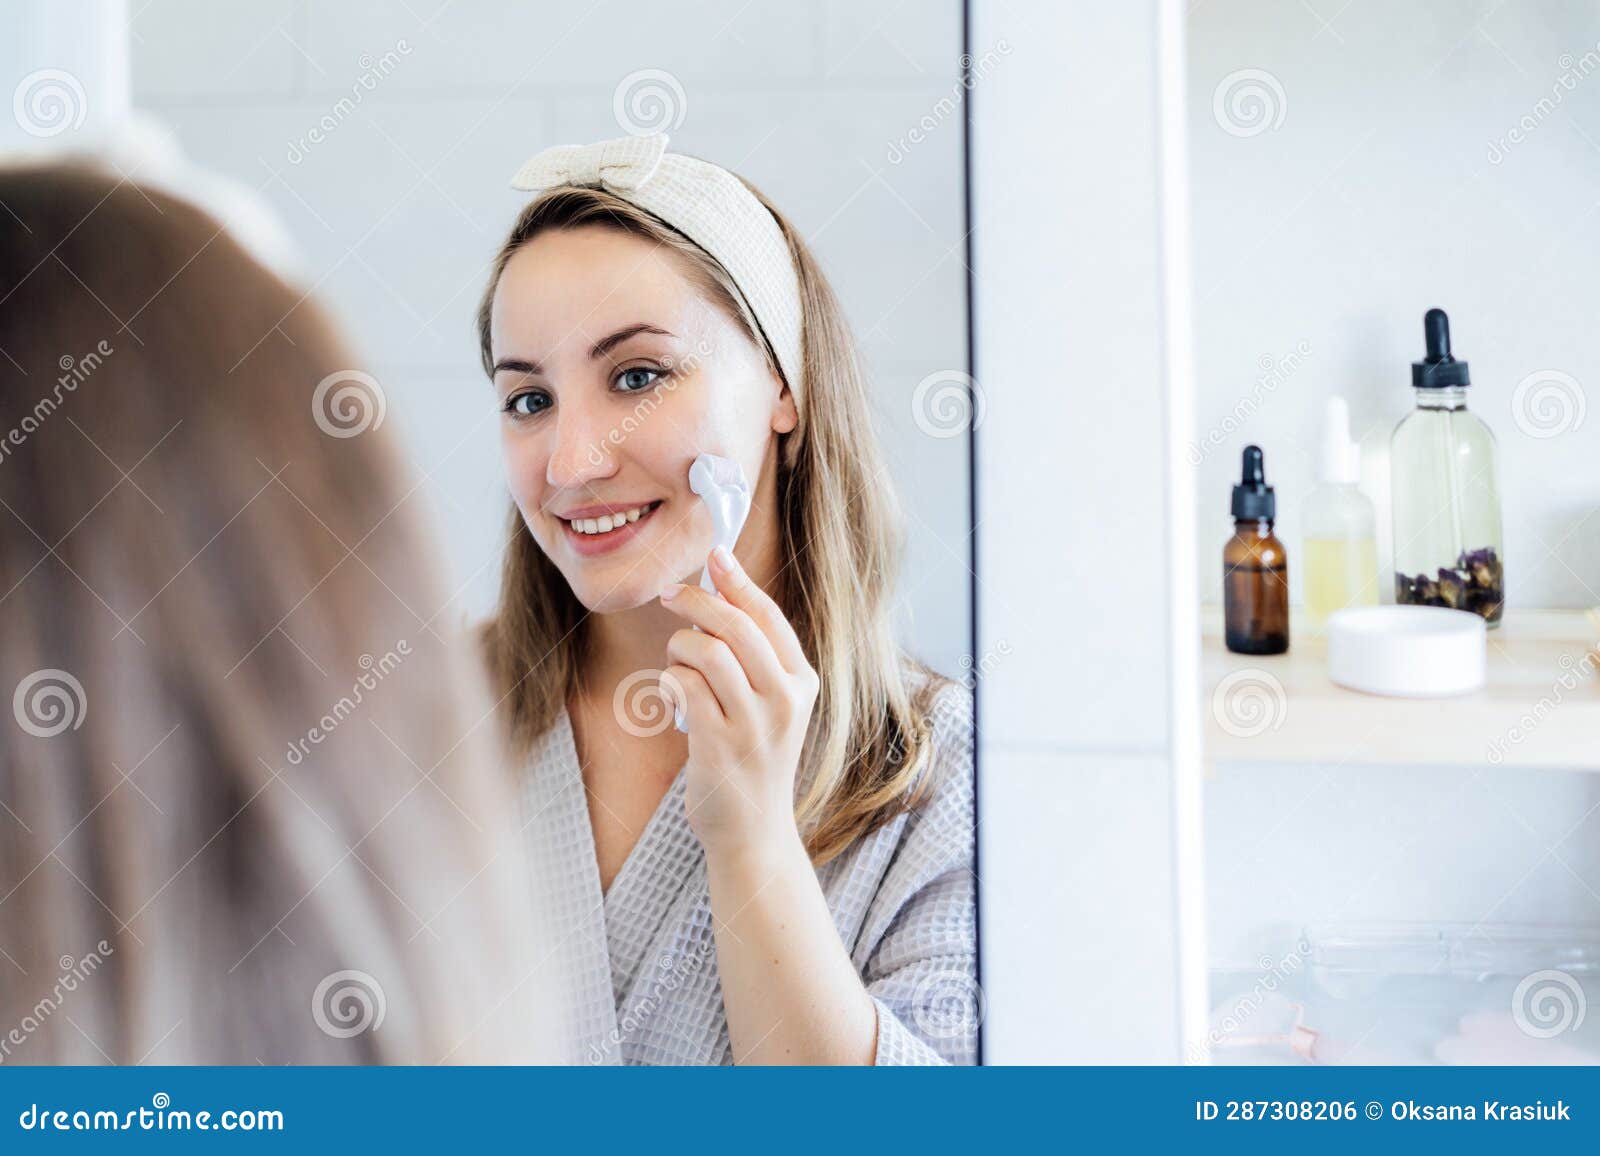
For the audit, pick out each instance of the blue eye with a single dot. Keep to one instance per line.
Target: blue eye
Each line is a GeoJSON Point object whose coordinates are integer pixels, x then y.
{"type": "Point", "coordinates": [638, 378]}
{"type": "Point", "coordinates": [527, 404]}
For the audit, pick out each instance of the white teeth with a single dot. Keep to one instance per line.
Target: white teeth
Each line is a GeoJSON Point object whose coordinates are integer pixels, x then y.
{"type": "Point", "coordinates": [608, 522]}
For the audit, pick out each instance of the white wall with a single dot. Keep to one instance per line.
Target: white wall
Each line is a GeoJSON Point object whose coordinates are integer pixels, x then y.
{"type": "Point", "coordinates": [1086, 778]}
{"type": "Point", "coordinates": [404, 201]}
{"type": "Point", "coordinates": [1376, 197]}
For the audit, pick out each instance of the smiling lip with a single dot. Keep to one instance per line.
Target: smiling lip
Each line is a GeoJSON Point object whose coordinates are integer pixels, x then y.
{"type": "Point", "coordinates": [596, 511]}
{"type": "Point", "coordinates": [589, 545]}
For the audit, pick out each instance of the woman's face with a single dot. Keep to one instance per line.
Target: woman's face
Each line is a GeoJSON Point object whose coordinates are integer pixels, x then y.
{"type": "Point", "coordinates": [612, 372]}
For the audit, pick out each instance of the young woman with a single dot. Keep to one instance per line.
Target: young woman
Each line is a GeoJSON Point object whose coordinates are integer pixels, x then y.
{"type": "Point", "coordinates": [791, 881]}
{"type": "Point", "coordinates": [247, 811]}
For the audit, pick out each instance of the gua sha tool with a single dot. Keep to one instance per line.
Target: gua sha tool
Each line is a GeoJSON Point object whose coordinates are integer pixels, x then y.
{"type": "Point", "coordinates": [721, 484]}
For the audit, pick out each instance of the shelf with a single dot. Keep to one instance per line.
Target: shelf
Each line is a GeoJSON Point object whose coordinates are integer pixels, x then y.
{"type": "Point", "coordinates": [1540, 706]}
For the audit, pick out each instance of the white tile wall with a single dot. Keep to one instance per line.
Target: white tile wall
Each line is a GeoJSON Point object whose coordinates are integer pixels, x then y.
{"type": "Point", "coordinates": [1287, 846]}
{"type": "Point", "coordinates": [401, 207]}
{"type": "Point", "coordinates": [1090, 997]}
{"type": "Point", "coordinates": [1080, 867]}
{"type": "Point", "coordinates": [1376, 197]}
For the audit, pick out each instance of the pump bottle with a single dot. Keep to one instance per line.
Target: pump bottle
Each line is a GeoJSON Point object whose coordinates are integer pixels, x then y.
{"type": "Point", "coordinates": [1341, 551]}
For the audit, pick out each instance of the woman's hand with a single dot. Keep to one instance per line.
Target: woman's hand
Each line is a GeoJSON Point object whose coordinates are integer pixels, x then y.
{"type": "Point", "coordinates": [790, 989]}
{"type": "Point", "coordinates": [747, 692]}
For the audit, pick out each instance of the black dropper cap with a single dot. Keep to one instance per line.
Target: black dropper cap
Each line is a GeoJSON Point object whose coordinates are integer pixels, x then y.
{"type": "Point", "coordinates": [1253, 499]}
{"type": "Point", "coordinates": [1439, 370]}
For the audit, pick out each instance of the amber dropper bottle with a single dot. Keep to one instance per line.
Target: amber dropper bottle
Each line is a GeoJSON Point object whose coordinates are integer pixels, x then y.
{"type": "Point", "coordinates": [1255, 568]}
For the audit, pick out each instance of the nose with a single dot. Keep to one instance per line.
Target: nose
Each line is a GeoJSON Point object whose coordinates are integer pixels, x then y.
{"type": "Point", "coordinates": [583, 452]}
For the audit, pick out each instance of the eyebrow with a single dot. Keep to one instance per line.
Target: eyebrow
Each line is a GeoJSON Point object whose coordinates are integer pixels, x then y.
{"type": "Point", "coordinates": [602, 347]}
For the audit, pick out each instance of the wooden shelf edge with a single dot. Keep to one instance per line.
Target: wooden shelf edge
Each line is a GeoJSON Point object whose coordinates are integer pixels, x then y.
{"type": "Point", "coordinates": [1540, 708]}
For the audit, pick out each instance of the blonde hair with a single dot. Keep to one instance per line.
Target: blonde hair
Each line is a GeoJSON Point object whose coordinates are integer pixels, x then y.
{"type": "Point", "coordinates": [869, 745]}
{"type": "Point", "coordinates": [248, 811]}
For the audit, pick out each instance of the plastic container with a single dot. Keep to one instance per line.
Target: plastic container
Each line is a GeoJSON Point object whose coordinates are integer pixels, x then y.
{"type": "Point", "coordinates": [1414, 993]}
{"type": "Point", "coordinates": [1407, 651]}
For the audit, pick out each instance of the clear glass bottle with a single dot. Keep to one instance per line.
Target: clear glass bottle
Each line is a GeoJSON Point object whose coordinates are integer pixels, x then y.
{"type": "Point", "coordinates": [1445, 491]}
{"type": "Point", "coordinates": [1339, 555]}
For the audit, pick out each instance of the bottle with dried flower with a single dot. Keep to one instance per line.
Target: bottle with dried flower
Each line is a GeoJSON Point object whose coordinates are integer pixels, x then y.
{"type": "Point", "coordinates": [1445, 490]}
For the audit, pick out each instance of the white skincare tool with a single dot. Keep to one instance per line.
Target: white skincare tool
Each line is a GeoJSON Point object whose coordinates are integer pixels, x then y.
{"type": "Point", "coordinates": [721, 484]}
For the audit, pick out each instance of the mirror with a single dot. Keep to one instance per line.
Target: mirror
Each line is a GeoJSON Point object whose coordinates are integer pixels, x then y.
{"type": "Point", "coordinates": [777, 291]}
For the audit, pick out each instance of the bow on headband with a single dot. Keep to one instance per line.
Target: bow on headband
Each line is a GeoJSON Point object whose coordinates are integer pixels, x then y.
{"type": "Point", "coordinates": [620, 165]}
{"type": "Point", "coordinates": [708, 205]}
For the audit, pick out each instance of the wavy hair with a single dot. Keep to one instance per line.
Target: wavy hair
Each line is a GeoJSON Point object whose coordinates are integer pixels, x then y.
{"type": "Point", "coordinates": [222, 838]}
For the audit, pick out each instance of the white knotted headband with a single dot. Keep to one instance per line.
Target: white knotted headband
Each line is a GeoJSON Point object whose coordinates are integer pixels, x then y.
{"type": "Point", "coordinates": [705, 203]}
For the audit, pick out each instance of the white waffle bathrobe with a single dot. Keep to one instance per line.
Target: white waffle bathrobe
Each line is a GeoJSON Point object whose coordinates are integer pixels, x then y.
{"type": "Point", "coordinates": [640, 961]}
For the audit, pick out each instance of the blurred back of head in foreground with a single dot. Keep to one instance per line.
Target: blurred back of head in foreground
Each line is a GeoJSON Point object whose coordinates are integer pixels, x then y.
{"type": "Point", "coordinates": [253, 808]}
